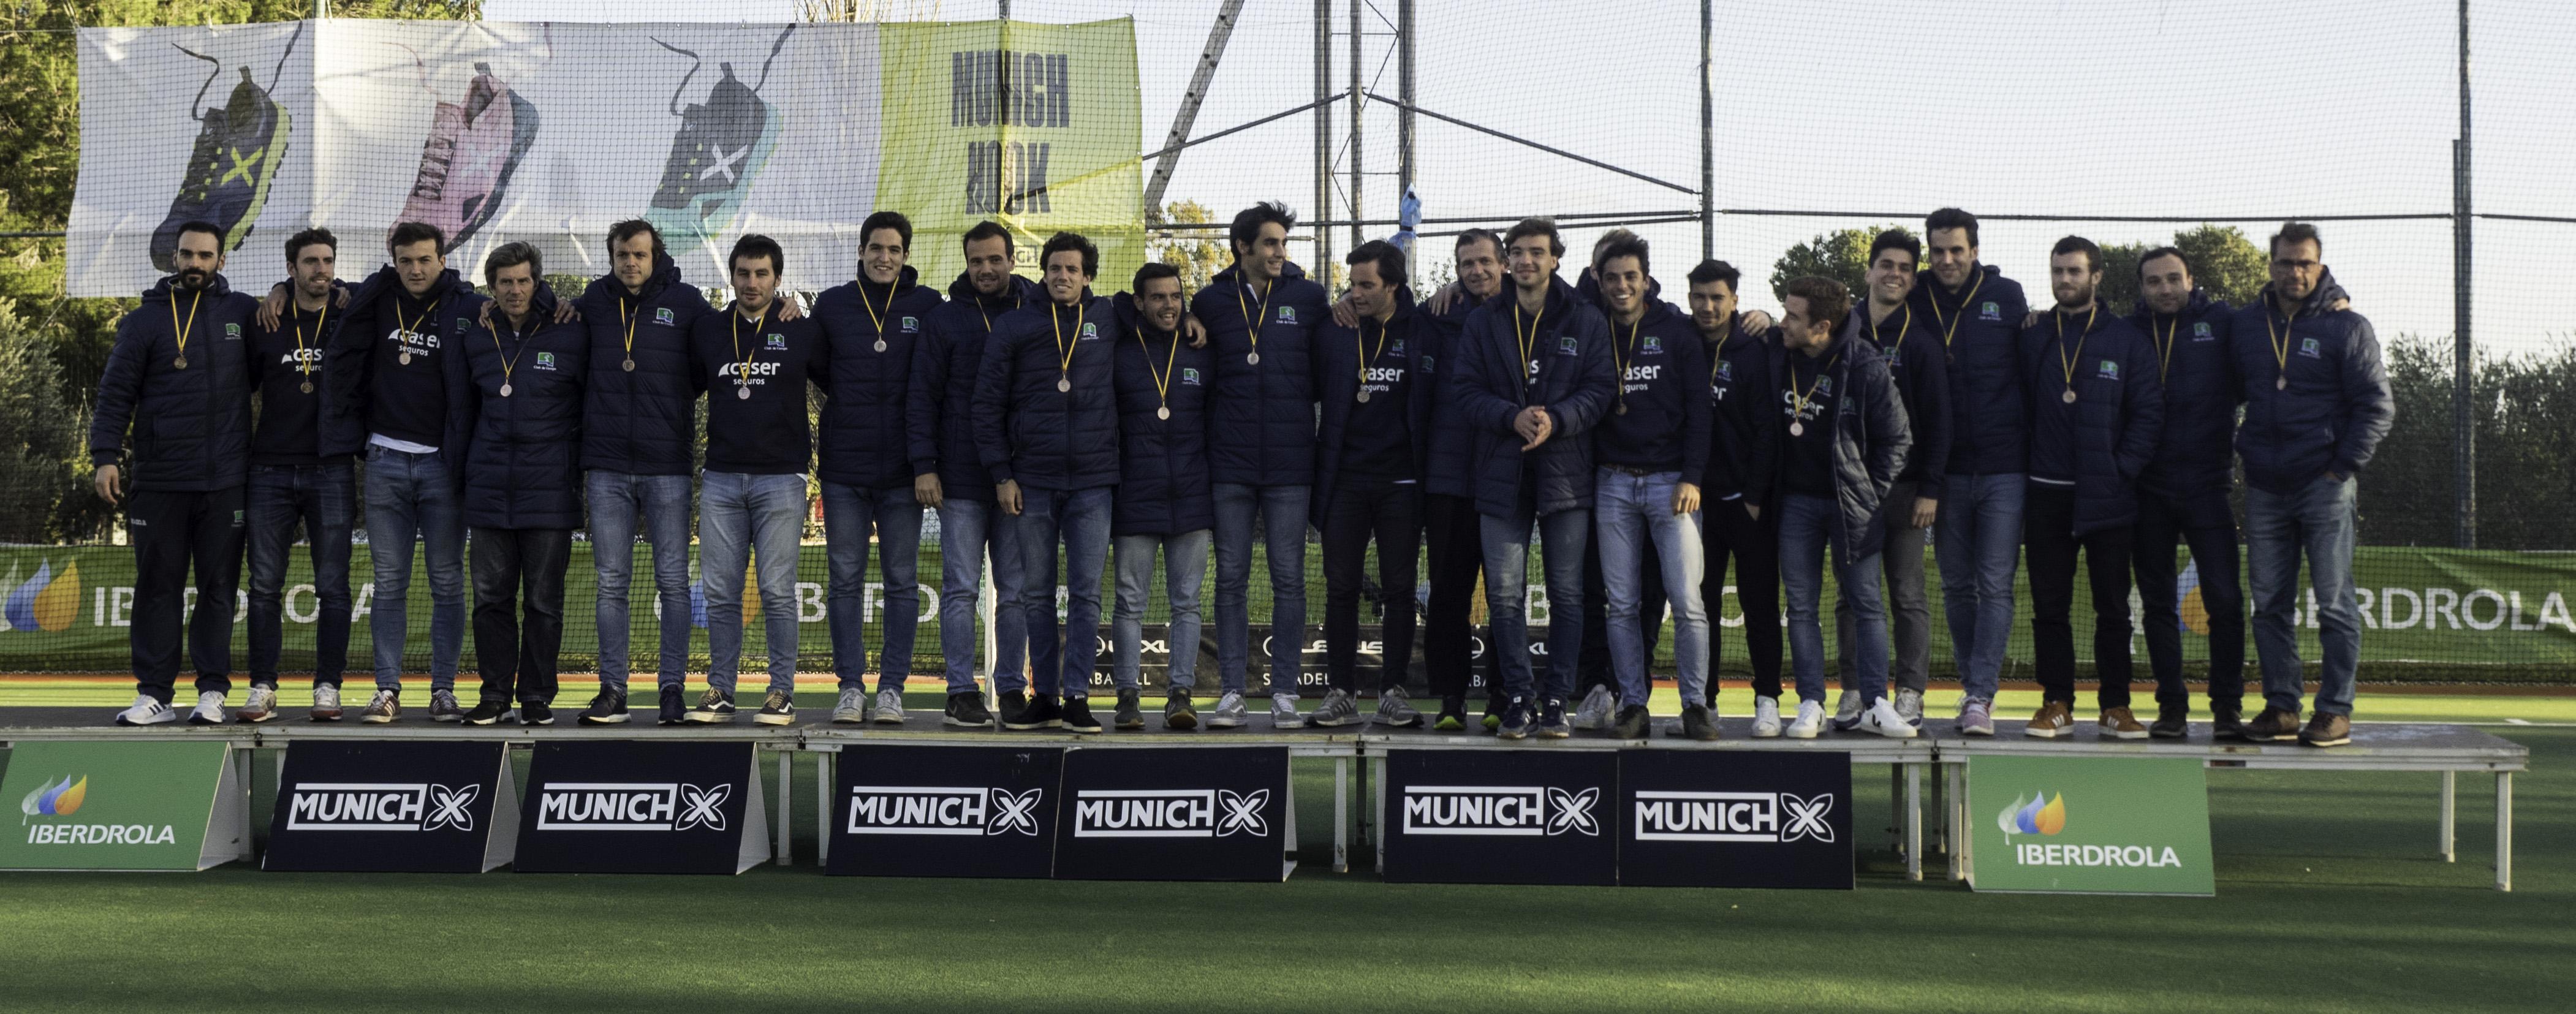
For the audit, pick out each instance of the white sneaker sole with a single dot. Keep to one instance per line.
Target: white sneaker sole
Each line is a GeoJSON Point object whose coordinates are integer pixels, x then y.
{"type": "Point", "coordinates": [164, 719]}
{"type": "Point", "coordinates": [706, 718]}
{"type": "Point", "coordinates": [1279, 721]}
{"type": "Point", "coordinates": [616, 719]}
{"type": "Point", "coordinates": [1225, 723]}
{"type": "Point", "coordinates": [1766, 732]}
{"type": "Point", "coordinates": [2040, 732]}
{"type": "Point", "coordinates": [1796, 732]}
{"type": "Point", "coordinates": [850, 718]}
{"type": "Point", "coordinates": [765, 718]}
{"type": "Point", "coordinates": [1891, 732]}
{"type": "Point", "coordinates": [885, 719]}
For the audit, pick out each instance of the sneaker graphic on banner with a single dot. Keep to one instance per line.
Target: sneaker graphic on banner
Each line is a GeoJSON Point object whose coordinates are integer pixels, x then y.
{"type": "Point", "coordinates": [473, 149]}
{"type": "Point", "coordinates": [240, 145]}
{"type": "Point", "coordinates": [721, 145]}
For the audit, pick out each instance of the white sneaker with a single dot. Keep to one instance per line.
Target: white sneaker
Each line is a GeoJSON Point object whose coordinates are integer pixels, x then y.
{"type": "Point", "coordinates": [889, 707]}
{"type": "Point", "coordinates": [1594, 712]}
{"type": "Point", "coordinates": [1229, 712]}
{"type": "Point", "coordinates": [851, 708]}
{"type": "Point", "coordinates": [326, 703]}
{"type": "Point", "coordinates": [1766, 718]}
{"type": "Point", "coordinates": [1909, 706]}
{"type": "Point", "coordinates": [1846, 712]}
{"type": "Point", "coordinates": [209, 710]}
{"type": "Point", "coordinates": [1810, 721]}
{"type": "Point", "coordinates": [1283, 712]}
{"type": "Point", "coordinates": [146, 711]}
{"type": "Point", "coordinates": [1882, 719]}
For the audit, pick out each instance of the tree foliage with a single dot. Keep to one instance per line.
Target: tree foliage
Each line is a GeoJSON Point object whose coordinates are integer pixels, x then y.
{"type": "Point", "coordinates": [1842, 256]}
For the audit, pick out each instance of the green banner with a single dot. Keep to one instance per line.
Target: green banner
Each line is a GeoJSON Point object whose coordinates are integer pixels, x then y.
{"type": "Point", "coordinates": [2089, 825]}
{"type": "Point", "coordinates": [1034, 126]}
{"type": "Point", "coordinates": [116, 806]}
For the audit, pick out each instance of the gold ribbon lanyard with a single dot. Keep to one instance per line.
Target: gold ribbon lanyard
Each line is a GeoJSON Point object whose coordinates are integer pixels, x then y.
{"type": "Point", "coordinates": [180, 334]}
{"type": "Point", "coordinates": [2164, 349]}
{"type": "Point", "coordinates": [742, 363]}
{"type": "Point", "coordinates": [2281, 346]}
{"type": "Point", "coordinates": [1163, 380]}
{"type": "Point", "coordinates": [1253, 329]}
{"type": "Point", "coordinates": [404, 357]}
{"type": "Point", "coordinates": [627, 316]}
{"type": "Point", "coordinates": [2065, 363]}
{"type": "Point", "coordinates": [1527, 368]}
{"type": "Point", "coordinates": [1950, 329]}
{"type": "Point", "coordinates": [879, 322]}
{"type": "Point", "coordinates": [1902, 326]}
{"type": "Point", "coordinates": [1359, 347]}
{"type": "Point", "coordinates": [1717, 356]}
{"type": "Point", "coordinates": [1064, 352]}
{"type": "Point", "coordinates": [302, 364]}
{"type": "Point", "coordinates": [1621, 392]}
{"type": "Point", "coordinates": [1798, 402]}
{"type": "Point", "coordinates": [508, 361]}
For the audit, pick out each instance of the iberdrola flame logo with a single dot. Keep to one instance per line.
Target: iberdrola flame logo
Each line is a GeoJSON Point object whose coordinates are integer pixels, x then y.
{"type": "Point", "coordinates": [61, 799]}
{"type": "Point", "coordinates": [47, 601]}
{"type": "Point", "coordinates": [2041, 814]}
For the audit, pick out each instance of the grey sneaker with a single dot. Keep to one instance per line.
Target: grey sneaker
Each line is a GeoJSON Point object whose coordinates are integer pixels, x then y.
{"type": "Point", "coordinates": [1283, 712]}
{"type": "Point", "coordinates": [1229, 713]}
{"type": "Point", "coordinates": [1594, 712]}
{"type": "Point", "coordinates": [1976, 717]}
{"type": "Point", "coordinates": [385, 707]}
{"type": "Point", "coordinates": [852, 707]}
{"type": "Point", "coordinates": [326, 703]}
{"type": "Point", "coordinates": [1338, 709]}
{"type": "Point", "coordinates": [260, 707]}
{"type": "Point", "coordinates": [1395, 709]}
{"type": "Point", "coordinates": [1847, 712]}
{"type": "Point", "coordinates": [443, 706]}
{"type": "Point", "coordinates": [1909, 706]}
{"type": "Point", "coordinates": [1131, 711]}
{"type": "Point", "coordinates": [889, 707]}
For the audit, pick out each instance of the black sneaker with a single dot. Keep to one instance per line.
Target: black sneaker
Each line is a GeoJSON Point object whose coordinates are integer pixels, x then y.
{"type": "Point", "coordinates": [609, 708]}
{"type": "Point", "coordinates": [966, 711]}
{"type": "Point", "coordinates": [713, 706]}
{"type": "Point", "coordinates": [675, 706]}
{"type": "Point", "coordinates": [486, 713]}
{"type": "Point", "coordinates": [2226, 722]}
{"type": "Point", "coordinates": [1131, 713]}
{"type": "Point", "coordinates": [1515, 720]}
{"type": "Point", "coordinates": [1453, 714]}
{"type": "Point", "coordinates": [1040, 713]}
{"type": "Point", "coordinates": [1633, 723]}
{"type": "Point", "coordinates": [1012, 703]}
{"type": "Point", "coordinates": [1698, 724]}
{"type": "Point", "coordinates": [1076, 715]}
{"type": "Point", "coordinates": [778, 708]}
{"type": "Point", "coordinates": [2171, 723]}
{"type": "Point", "coordinates": [1551, 720]}
{"type": "Point", "coordinates": [1178, 715]}
{"type": "Point", "coordinates": [1495, 705]}
{"type": "Point", "coordinates": [536, 713]}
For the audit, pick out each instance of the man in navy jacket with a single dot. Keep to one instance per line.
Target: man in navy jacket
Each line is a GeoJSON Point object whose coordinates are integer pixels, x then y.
{"type": "Point", "coordinates": [2316, 406]}
{"type": "Point", "coordinates": [1452, 549]}
{"type": "Point", "coordinates": [1976, 536]}
{"type": "Point", "coordinates": [2096, 409]}
{"type": "Point", "coordinates": [1534, 378]}
{"type": "Point", "coordinates": [1913, 355]}
{"type": "Point", "coordinates": [2182, 498]}
{"type": "Point", "coordinates": [873, 324]}
{"type": "Point", "coordinates": [292, 483]}
{"type": "Point", "coordinates": [522, 483]}
{"type": "Point", "coordinates": [396, 375]}
{"type": "Point", "coordinates": [1738, 515]}
{"type": "Point", "coordinates": [180, 376]}
{"type": "Point", "coordinates": [638, 439]}
{"type": "Point", "coordinates": [949, 476]}
{"type": "Point", "coordinates": [1368, 469]}
{"type": "Point", "coordinates": [1652, 448]}
{"type": "Point", "coordinates": [1261, 315]}
{"type": "Point", "coordinates": [1164, 503]}
{"type": "Point", "coordinates": [1046, 423]}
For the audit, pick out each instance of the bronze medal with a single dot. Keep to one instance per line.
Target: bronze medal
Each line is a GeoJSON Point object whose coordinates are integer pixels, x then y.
{"type": "Point", "coordinates": [630, 365]}
{"type": "Point", "coordinates": [1064, 384]}
{"type": "Point", "coordinates": [1363, 397]}
{"type": "Point", "coordinates": [308, 387]}
{"type": "Point", "coordinates": [180, 363]}
{"type": "Point", "coordinates": [404, 358]}
{"type": "Point", "coordinates": [1621, 408]}
{"type": "Point", "coordinates": [2068, 397]}
{"type": "Point", "coordinates": [505, 390]}
{"type": "Point", "coordinates": [1163, 412]}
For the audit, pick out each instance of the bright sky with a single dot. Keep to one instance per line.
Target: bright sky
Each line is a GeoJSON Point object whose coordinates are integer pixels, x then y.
{"type": "Point", "coordinates": [2202, 108]}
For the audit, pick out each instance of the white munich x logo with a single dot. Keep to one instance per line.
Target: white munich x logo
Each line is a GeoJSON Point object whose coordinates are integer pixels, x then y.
{"type": "Point", "coordinates": [703, 807]}
{"type": "Point", "coordinates": [448, 807]}
{"type": "Point", "coordinates": [1807, 817]}
{"type": "Point", "coordinates": [724, 163]}
{"type": "Point", "coordinates": [1572, 811]}
{"type": "Point", "coordinates": [1242, 813]}
{"type": "Point", "coordinates": [1014, 812]}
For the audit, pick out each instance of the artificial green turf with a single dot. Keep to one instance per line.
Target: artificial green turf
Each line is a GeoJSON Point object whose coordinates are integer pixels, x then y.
{"type": "Point", "coordinates": [2329, 899]}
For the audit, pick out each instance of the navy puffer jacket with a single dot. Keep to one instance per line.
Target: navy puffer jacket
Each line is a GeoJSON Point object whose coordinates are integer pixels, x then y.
{"type": "Point", "coordinates": [2336, 406]}
{"type": "Point", "coordinates": [1029, 431]}
{"type": "Point", "coordinates": [1570, 343]}
{"type": "Point", "coordinates": [1337, 382]}
{"type": "Point", "coordinates": [1163, 486]}
{"type": "Point", "coordinates": [374, 314]}
{"type": "Point", "coordinates": [1871, 438]}
{"type": "Point", "coordinates": [2195, 356]}
{"type": "Point", "coordinates": [865, 441]}
{"type": "Point", "coordinates": [1978, 326]}
{"type": "Point", "coordinates": [2117, 416]}
{"type": "Point", "coordinates": [939, 413]}
{"type": "Point", "coordinates": [644, 421]}
{"type": "Point", "coordinates": [1261, 421]}
{"type": "Point", "coordinates": [192, 426]}
{"type": "Point", "coordinates": [524, 467]}
{"type": "Point", "coordinates": [1448, 467]}
{"type": "Point", "coordinates": [1744, 425]}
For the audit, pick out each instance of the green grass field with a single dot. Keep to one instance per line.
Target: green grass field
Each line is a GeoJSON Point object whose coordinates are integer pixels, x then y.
{"type": "Point", "coordinates": [2330, 898]}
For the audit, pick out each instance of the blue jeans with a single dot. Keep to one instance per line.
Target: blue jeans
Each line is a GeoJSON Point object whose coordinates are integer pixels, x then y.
{"type": "Point", "coordinates": [850, 513]}
{"type": "Point", "coordinates": [323, 497]}
{"type": "Point", "coordinates": [408, 496]}
{"type": "Point", "coordinates": [617, 500]}
{"type": "Point", "coordinates": [967, 530]}
{"type": "Point", "coordinates": [1810, 532]}
{"type": "Point", "coordinates": [1184, 567]}
{"type": "Point", "coordinates": [742, 518]}
{"type": "Point", "coordinates": [1630, 512]}
{"type": "Point", "coordinates": [2316, 521]}
{"type": "Point", "coordinates": [1506, 541]}
{"type": "Point", "coordinates": [1976, 540]}
{"type": "Point", "coordinates": [1081, 518]}
{"type": "Point", "coordinates": [1283, 528]}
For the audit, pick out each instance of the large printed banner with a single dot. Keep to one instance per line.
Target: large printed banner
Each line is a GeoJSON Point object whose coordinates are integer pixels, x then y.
{"type": "Point", "coordinates": [498, 131]}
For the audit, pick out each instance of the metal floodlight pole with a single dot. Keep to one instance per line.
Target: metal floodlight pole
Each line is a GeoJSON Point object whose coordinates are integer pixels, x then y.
{"type": "Point", "coordinates": [1188, 115]}
{"type": "Point", "coordinates": [1404, 116]}
{"type": "Point", "coordinates": [1323, 134]}
{"type": "Point", "coordinates": [2463, 352]}
{"type": "Point", "coordinates": [1356, 108]}
{"type": "Point", "coordinates": [1707, 137]}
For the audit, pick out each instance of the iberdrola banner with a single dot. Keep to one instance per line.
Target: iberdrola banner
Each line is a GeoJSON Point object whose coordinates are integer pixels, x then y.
{"type": "Point", "coordinates": [550, 133]}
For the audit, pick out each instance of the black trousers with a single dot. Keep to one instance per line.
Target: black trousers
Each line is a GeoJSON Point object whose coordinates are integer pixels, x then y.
{"type": "Point", "coordinates": [1593, 669]}
{"type": "Point", "coordinates": [1392, 514]}
{"type": "Point", "coordinates": [2048, 534]}
{"type": "Point", "coordinates": [1726, 531]}
{"type": "Point", "coordinates": [518, 659]}
{"type": "Point", "coordinates": [174, 531]}
{"type": "Point", "coordinates": [2163, 524]}
{"type": "Point", "coordinates": [1454, 550]}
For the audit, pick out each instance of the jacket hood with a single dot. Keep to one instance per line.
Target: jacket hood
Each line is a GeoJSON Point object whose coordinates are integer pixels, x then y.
{"type": "Point", "coordinates": [904, 281]}
{"type": "Point", "coordinates": [1234, 272]}
{"type": "Point", "coordinates": [2197, 305]}
{"type": "Point", "coordinates": [541, 308]}
{"type": "Point", "coordinates": [1558, 294]}
{"type": "Point", "coordinates": [162, 290]}
{"type": "Point", "coordinates": [666, 273]}
{"type": "Point", "coordinates": [1930, 283]}
{"type": "Point", "coordinates": [1018, 292]}
{"type": "Point", "coordinates": [447, 281]}
{"type": "Point", "coordinates": [1589, 288]}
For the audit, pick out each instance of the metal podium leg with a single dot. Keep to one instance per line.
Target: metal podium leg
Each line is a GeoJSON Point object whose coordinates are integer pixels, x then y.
{"type": "Point", "coordinates": [786, 804]}
{"type": "Point", "coordinates": [2450, 798]}
{"type": "Point", "coordinates": [2504, 830]}
{"type": "Point", "coordinates": [1913, 821]}
{"type": "Point", "coordinates": [1341, 815]}
{"type": "Point", "coordinates": [822, 808]}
